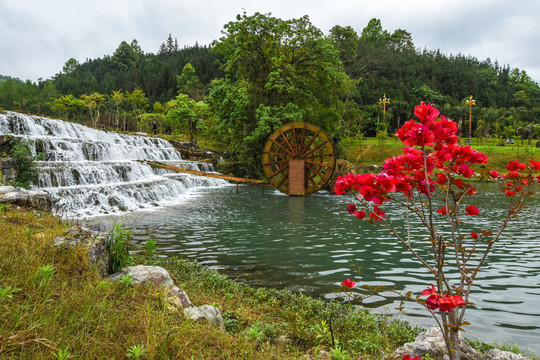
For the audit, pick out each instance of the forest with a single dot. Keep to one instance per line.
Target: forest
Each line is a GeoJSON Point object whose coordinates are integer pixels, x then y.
{"type": "Point", "coordinates": [265, 72]}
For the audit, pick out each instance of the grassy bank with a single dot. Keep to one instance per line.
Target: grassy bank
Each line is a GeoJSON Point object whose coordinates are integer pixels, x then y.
{"type": "Point", "coordinates": [364, 153]}
{"type": "Point", "coordinates": [53, 306]}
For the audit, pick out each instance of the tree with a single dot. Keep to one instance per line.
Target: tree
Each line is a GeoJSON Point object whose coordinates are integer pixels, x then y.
{"type": "Point", "coordinates": [374, 33]}
{"type": "Point", "coordinates": [284, 70]}
{"type": "Point", "coordinates": [93, 102]}
{"type": "Point", "coordinates": [124, 56]}
{"type": "Point", "coordinates": [70, 66]}
{"type": "Point", "coordinates": [188, 83]}
{"type": "Point", "coordinates": [345, 39]}
{"type": "Point", "coordinates": [118, 98]}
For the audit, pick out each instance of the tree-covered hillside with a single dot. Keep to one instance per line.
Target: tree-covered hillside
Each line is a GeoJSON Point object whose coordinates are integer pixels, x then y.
{"type": "Point", "coordinates": [265, 71]}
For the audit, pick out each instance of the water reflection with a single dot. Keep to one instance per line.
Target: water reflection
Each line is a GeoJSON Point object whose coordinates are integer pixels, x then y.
{"type": "Point", "coordinates": [310, 244]}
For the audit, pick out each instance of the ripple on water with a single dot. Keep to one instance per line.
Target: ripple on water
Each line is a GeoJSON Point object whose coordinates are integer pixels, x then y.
{"type": "Point", "coordinates": [311, 244]}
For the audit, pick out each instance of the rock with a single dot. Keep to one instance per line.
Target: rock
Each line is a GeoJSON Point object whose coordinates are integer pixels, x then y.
{"type": "Point", "coordinates": [95, 242]}
{"type": "Point", "coordinates": [206, 312]}
{"type": "Point", "coordinates": [8, 170]}
{"type": "Point", "coordinates": [496, 354]}
{"type": "Point", "coordinates": [157, 275]}
{"type": "Point", "coordinates": [142, 274]}
{"type": "Point", "coordinates": [178, 299]}
{"type": "Point", "coordinates": [431, 342]}
{"type": "Point", "coordinates": [37, 199]}
{"type": "Point", "coordinates": [538, 144]}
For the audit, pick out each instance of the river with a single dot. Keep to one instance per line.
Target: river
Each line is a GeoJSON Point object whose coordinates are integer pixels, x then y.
{"type": "Point", "coordinates": [310, 244]}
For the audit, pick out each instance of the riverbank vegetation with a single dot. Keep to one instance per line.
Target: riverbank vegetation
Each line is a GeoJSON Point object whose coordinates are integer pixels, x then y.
{"type": "Point", "coordinates": [54, 306]}
{"type": "Point", "coordinates": [265, 72]}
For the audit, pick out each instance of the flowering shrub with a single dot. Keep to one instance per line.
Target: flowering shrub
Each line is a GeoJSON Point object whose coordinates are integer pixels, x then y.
{"type": "Point", "coordinates": [430, 181]}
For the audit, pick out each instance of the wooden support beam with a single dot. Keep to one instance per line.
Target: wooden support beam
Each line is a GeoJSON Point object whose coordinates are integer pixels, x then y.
{"type": "Point", "coordinates": [161, 165]}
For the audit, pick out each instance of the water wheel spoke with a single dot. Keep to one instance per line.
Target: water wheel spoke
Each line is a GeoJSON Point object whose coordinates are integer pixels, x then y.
{"type": "Point", "coordinates": [315, 135]}
{"type": "Point", "coordinates": [319, 164]}
{"type": "Point", "coordinates": [317, 147]}
{"type": "Point", "coordinates": [285, 177]}
{"type": "Point", "coordinates": [288, 143]}
{"type": "Point", "coordinates": [278, 144]}
{"type": "Point", "coordinates": [314, 156]}
{"type": "Point", "coordinates": [302, 141]}
{"type": "Point", "coordinates": [278, 171]}
{"type": "Point", "coordinates": [276, 162]}
{"type": "Point", "coordinates": [275, 154]}
{"type": "Point", "coordinates": [315, 171]}
{"type": "Point", "coordinates": [310, 178]}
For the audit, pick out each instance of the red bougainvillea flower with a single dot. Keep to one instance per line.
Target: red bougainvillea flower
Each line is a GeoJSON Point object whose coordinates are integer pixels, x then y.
{"type": "Point", "coordinates": [494, 174]}
{"type": "Point", "coordinates": [471, 210]}
{"type": "Point", "coordinates": [377, 214]}
{"type": "Point", "coordinates": [474, 235]}
{"type": "Point", "coordinates": [443, 303]}
{"type": "Point", "coordinates": [535, 165]}
{"type": "Point", "coordinates": [426, 112]}
{"type": "Point", "coordinates": [441, 179]}
{"type": "Point", "coordinates": [360, 214]}
{"type": "Point", "coordinates": [515, 165]}
{"type": "Point", "coordinates": [408, 357]}
{"type": "Point", "coordinates": [513, 174]}
{"type": "Point", "coordinates": [466, 171]}
{"type": "Point", "coordinates": [510, 193]}
{"type": "Point", "coordinates": [443, 210]}
{"type": "Point", "coordinates": [351, 208]}
{"type": "Point", "coordinates": [348, 284]}
{"type": "Point", "coordinates": [471, 191]}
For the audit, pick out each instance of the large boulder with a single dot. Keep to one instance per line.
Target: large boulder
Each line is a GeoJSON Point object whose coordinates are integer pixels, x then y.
{"type": "Point", "coordinates": [496, 354]}
{"type": "Point", "coordinates": [178, 299]}
{"type": "Point", "coordinates": [37, 199]}
{"type": "Point", "coordinates": [208, 312]}
{"type": "Point", "coordinates": [431, 342]}
{"type": "Point", "coordinates": [95, 242]}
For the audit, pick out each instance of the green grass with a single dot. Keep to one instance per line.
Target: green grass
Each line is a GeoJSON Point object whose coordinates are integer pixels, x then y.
{"type": "Point", "coordinates": [53, 306]}
{"type": "Point", "coordinates": [364, 153]}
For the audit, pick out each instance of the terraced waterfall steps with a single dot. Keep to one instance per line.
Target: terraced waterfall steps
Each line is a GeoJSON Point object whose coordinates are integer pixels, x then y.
{"type": "Point", "coordinates": [91, 172]}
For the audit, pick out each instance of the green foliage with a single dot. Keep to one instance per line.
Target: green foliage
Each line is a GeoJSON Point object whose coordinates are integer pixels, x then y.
{"type": "Point", "coordinates": [44, 275]}
{"type": "Point", "coordinates": [126, 281]}
{"type": "Point", "coordinates": [25, 162]}
{"type": "Point", "coordinates": [119, 249]}
{"type": "Point", "coordinates": [136, 352]}
{"type": "Point", "coordinates": [62, 354]}
{"type": "Point", "coordinates": [277, 71]}
{"type": "Point", "coordinates": [150, 251]}
{"type": "Point", "coordinates": [7, 292]}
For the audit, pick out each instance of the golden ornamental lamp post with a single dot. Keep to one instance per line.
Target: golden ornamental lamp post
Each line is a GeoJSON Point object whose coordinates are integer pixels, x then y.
{"type": "Point", "coordinates": [471, 103]}
{"type": "Point", "coordinates": [384, 101]}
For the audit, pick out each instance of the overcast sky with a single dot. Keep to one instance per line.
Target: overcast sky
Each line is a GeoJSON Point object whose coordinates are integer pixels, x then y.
{"type": "Point", "coordinates": [37, 37]}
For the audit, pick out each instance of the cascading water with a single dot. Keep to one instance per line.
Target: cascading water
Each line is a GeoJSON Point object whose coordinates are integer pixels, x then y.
{"type": "Point", "coordinates": [90, 172]}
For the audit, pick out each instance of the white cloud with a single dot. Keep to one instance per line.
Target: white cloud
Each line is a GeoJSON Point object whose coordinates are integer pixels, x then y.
{"type": "Point", "coordinates": [38, 37]}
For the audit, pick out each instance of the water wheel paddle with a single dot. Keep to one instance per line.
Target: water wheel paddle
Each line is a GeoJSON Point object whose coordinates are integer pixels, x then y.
{"type": "Point", "coordinates": [299, 158]}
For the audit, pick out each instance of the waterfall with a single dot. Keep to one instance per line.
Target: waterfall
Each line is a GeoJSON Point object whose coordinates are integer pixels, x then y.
{"type": "Point", "coordinates": [91, 172]}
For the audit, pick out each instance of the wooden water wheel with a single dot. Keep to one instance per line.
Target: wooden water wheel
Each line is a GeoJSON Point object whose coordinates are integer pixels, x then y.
{"type": "Point", "coordinates": [299, 159]}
